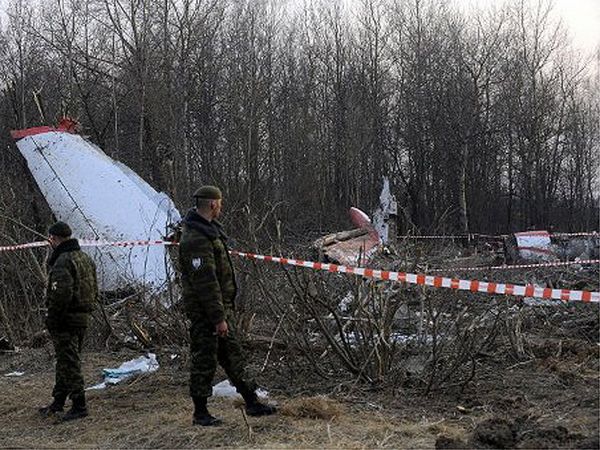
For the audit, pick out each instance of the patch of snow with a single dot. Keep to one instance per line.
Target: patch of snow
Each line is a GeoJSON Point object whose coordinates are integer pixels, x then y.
{"type": "Point", "coordinates": [534, 301]}
{"type": "Point", "coordinates": [408, 338]}
{"type": "Point", "coordinates": [346, 301]}
{"type": "Point", "coordinates": [352, 338]}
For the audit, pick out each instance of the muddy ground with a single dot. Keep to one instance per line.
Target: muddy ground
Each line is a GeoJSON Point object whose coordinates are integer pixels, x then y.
{"type": "Point", "coordinates": [547, 401]}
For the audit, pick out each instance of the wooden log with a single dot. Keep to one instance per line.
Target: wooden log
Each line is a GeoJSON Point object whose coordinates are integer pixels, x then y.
{"type": "Point", "coordinates": [334, 238]}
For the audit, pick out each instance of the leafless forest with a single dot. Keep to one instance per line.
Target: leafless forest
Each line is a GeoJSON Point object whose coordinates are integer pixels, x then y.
{"type": "Point", "coordinates": [487, 122]}
{"type": "Point", "coordinates": [484, 122]}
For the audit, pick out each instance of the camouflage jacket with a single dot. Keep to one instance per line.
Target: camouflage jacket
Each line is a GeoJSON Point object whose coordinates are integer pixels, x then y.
{"type": "Point", "coordinates": [207, 275]}
{"type": "Point", "coordinates": [72, 290]}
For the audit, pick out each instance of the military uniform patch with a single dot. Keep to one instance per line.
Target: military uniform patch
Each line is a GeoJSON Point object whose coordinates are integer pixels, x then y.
{"type": "Point", "coordinates": [197, 263]}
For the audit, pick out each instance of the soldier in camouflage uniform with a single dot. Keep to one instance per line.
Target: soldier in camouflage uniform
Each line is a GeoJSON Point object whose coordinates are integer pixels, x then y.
{"type": "Point", "coordinates": [209, 291]}
{"type": "Point", "coordinates": [71, 294]}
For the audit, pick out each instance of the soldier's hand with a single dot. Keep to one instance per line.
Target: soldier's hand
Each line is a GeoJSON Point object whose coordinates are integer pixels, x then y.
{"type": "Point", "coordinates": [222, 329]}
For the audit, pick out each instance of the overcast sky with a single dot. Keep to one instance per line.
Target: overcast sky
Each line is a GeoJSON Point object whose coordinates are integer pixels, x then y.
{"type": "Point", "coordinates": [582, 18]}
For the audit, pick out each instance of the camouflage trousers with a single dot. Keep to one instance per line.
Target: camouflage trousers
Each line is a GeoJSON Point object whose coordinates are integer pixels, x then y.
{"type": "Point", "coordinates": [207, 349]}
{"type": "Point", "coordinates": [67, 349]}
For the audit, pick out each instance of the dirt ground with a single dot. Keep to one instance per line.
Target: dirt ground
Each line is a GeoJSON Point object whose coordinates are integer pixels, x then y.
{"type": "Point", "coordinates": [550, 401]}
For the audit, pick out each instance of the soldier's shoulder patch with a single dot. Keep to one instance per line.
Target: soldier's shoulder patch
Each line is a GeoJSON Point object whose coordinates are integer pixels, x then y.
{"type": "Point", "coordinates": [197, 262]}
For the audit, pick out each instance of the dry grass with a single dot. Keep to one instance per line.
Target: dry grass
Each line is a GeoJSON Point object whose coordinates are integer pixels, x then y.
{"type": "Point", "coordinates": [154, 411]}
{"type": "Point", "coordinates": [318, 407]}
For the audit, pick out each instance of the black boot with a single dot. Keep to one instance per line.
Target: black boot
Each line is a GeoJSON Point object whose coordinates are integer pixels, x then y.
{"type": "Point", "coordinates": [201, 414]}
{"type": "Point", "coordinates": [56, 406]}
{"type": "Point", "coordinates": [256, 408]}
{"type": "Point", "coordinates": [78, 410]}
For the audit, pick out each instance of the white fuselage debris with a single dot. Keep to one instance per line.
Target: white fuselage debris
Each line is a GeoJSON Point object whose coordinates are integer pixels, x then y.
{"type": "Point", "coordinates": [103, 199]}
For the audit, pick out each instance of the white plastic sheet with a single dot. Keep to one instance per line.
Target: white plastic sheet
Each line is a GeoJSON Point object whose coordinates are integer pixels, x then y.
{"type": "Point", "coordinates": [226, 389]}
{"type": "Point", "coordinates": [143, 364]}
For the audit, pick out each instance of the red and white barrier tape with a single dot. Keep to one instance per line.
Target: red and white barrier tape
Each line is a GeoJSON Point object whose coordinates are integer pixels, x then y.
{"type": "Point", "coordinates": [94, 243]}
{"type": "Point", "coordinates": [453, 236]}
{"type": "Point", "coordinates": [498, 236]}
{"type": "Point", "coordinates": [411, 278]}
{"type": "Point", "coordinates": [133, 243]}
{"type": "Point", "coordinates": [583, 262]}
{"type": "Point", "coordinates": [583, 233]}
{"type": "Point", "coordinates": [439, 282]}
{"type": "Point", "coordinates": [99, 243]}
{"type": "Point", "coordinates": [89, 243]}
{"type": "Point", "coordinates": [435, 237]}
{"type": "Point", "coordinates": [6, 248]}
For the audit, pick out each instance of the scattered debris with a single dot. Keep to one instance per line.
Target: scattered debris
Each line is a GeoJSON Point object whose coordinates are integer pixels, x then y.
{"type": "Point", "coordinates": [226, 389]}
{"type": "Point", "coordinates": [363, 221]}
{"type": "Point", "coordinates": [352, 247]}
{"type": "Point", "coordinates": [143, 364]}
{"type": "Point", "coordinates": [15, 374]}
{"type": "Point", "coordinates": [573, 248]}
{"type": "Point", "coordinates": [541, 246]}
{"type": "Point", "coordinates": [358, 246]}
{"type": "Point", "coordinates": [530, 246]}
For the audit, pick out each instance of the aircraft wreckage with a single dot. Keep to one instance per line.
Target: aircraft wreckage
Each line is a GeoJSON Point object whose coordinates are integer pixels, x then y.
{"type": "Point", "coordinates": [102, 199]}
{"type": "Point", "coordinates": [359, 245]}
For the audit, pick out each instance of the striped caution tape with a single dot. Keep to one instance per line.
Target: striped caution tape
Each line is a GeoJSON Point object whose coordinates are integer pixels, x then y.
{"type": "Point", "coordinates": [90, 243]}
{"type": "Point", "coordinates": [435, 281]}
{"type": "Point", "coordinates": [584, 262]}
{"type": "Point", "coordinates": [138, 243]}
{"type": "Point", "coordinates": [529, 290]}
{"type": "Point", "coordinates": [133, 243]}
{"type": "Point", "coordinates": [584, 233]}
{"type": "Point", "coordinates": [470, 236]}
{"type": "Point", "coordinates": [6, 248]}
{"type": "Point", "coordinates": [456, 236]}
{"type": "Point", "coordinates": [496, 236]}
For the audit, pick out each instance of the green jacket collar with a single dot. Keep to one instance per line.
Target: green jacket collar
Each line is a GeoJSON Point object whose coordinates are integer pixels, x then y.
{"type": "Point", "coordinates": [211, 229]}
{"type": "Point", "coordinates": [67, 246]}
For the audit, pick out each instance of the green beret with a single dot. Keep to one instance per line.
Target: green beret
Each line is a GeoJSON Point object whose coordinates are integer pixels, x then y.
{"type": "Point", "coordinates": [60, 229]}
{"type": "Point", "coordinates": [208, 192]}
